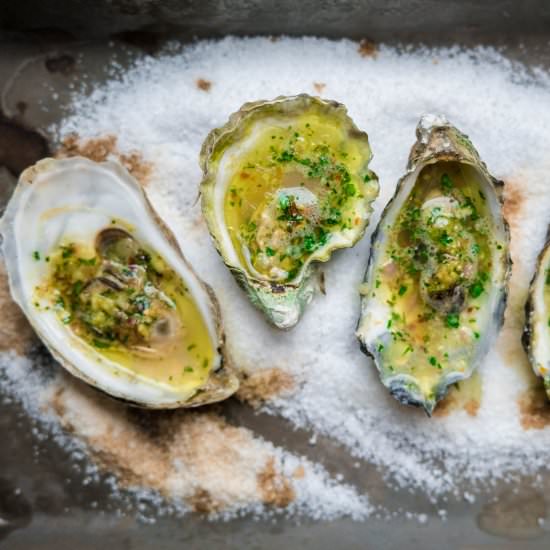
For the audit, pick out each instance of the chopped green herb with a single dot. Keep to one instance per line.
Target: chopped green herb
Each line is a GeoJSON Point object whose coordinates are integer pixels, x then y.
{"type": "Point", "coordinates": [101, 344]}
{"type": "Point", "coordinates": [452, 320]}
{"type": "Point", "coordinates": [350, 189]}
{"type": "Point", "coordinates": [84, 261]}
{"type": "Point", "coordinates": [269, 251]}
{"type": "Point", "coordinates": [476, 289]}
{"type": "Point", "coordinates": [445, 239]}
{"type": "Point", "coordinates": [446, 182]}
{"type": "Point", "coordinates": [402, 290]}
{"type": "Point", "coordinates": [36, 255]}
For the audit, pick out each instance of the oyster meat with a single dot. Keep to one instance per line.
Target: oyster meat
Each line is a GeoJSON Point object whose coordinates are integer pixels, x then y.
{"type": "Point", "coordinates": [285, 183]}
{"type": "Point", "coordinates": [536, 333]}
{"type": "Point", "coordinates": [105, 286]}
{"type": "Point", "coordinates": [436, 284]}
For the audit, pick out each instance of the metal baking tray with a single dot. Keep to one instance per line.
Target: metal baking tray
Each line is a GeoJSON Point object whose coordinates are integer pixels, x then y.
{"type": "Point", "coordinates": [43, 502]}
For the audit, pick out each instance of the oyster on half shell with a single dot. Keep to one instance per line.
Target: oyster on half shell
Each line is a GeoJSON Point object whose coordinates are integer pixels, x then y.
{"type": "Point", "coordinates": [436, 284]}
{"type": "Point", "coordinates": [105, 286]}
{"type": "Point", "coordinates": [536, 332]}
{"type": "Point", "coordinates": [286, 182]}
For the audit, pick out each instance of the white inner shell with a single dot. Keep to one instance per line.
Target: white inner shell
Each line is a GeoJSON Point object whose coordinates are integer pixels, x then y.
{"type": "Point", "coordinates": [72, 200]}
{"type": "Point", "coordinates": [376, 312]}
{"type": "Point", "coordinates": [540, 341]}
{"type": "Point", "coordinates": [226, 169]}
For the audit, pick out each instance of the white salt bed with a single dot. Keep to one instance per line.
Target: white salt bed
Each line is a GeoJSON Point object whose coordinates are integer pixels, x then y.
{"type": "Point", "coordinates": [157, 109]}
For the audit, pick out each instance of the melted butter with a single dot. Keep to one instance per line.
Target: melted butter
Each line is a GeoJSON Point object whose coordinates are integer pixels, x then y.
{"type": "Point", "coordinates": [317, 165]}
{"type": "Point", "coordinates": [426, 342]}
{"type": "Point", "coordinates": [182, 360]}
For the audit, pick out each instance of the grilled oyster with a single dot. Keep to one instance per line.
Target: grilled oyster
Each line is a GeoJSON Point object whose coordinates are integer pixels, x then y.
{"type": "Point", "coordinates": [105, 286]}
{"type": "Point", "coordinates": [285, 183]}
{"type": "Point", "coordinates": [536, 333]}
{"type": "Point", "coordinates": [436, 283]}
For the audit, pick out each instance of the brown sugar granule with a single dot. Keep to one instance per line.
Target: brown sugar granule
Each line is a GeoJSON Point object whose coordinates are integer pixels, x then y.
{"type": "Point", "coordinates": [103, 148]}
{"type": "Point", "coordinates": [319, 87]}
{"type": "Point", "coordinates": [534, 409]}
{"type": "Point", "coordinates": [275, 488]}
{"type": "Point", "coordinates": [367, 48]}
{"type": "Point", "coordinates": [203, 84]}
{"type": "Point", "coordinates": [15, 331]}
{"type": "Point", "coordinates": [260, 386]}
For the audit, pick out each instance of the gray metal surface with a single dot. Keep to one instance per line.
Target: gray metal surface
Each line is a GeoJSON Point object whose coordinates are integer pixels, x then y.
{"type": "Point", "coordinates": [354, 18]}
{"type": "Point", "coordinates": [43, 502]}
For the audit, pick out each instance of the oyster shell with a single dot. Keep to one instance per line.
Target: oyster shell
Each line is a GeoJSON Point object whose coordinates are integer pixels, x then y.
{"type": "Point", "coordinates": [105, 286]}
{"type": "Point", "coordinates": [285, 183]}
{"type": "Point", "coordinates": [536, 332]}
{"type": "Point", "coordinates": [436, 283]}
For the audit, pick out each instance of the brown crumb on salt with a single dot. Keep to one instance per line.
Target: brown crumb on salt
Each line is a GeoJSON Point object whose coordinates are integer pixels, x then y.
{"type": "Point", "coordinates": [260, 386]}
{"type": "Point", "coordinates": [299, 472]}
{"type": "Point", "coordinates": [191, 455]}
{"type": "Point", "coordinates": [103, 148]}
{"type": "Point", "coordinates": [202, 502]}
{"type": "Point", "coordinates": [367, 48]}
{"type": "Point", "coordinates": [15, 332]}
{"type": "Point", "coordinates": [465, 395]}
{"type": "Point", "coordinates": [319, 87]}
{"type": "Point", "coordinates": [203, 84]}
{"type": "Point", "coordinates": [471, 407]}
{"type": "Point", "coordinates": [534, 408]}
{"type": "Point", "coordinates": [275, 488]}
{"type": "Point", "coordinates": [513, 201]}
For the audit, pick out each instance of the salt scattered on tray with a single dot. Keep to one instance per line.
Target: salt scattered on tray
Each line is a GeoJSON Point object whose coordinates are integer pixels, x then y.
{"type": "Point", "coordinates": [163, 109]}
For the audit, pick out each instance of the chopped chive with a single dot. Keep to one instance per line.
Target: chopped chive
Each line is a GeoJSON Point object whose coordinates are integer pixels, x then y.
{"type": "Point", "coordinates": [36, 255]}
{"type": "Point", "coordinates": [402, 290]}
